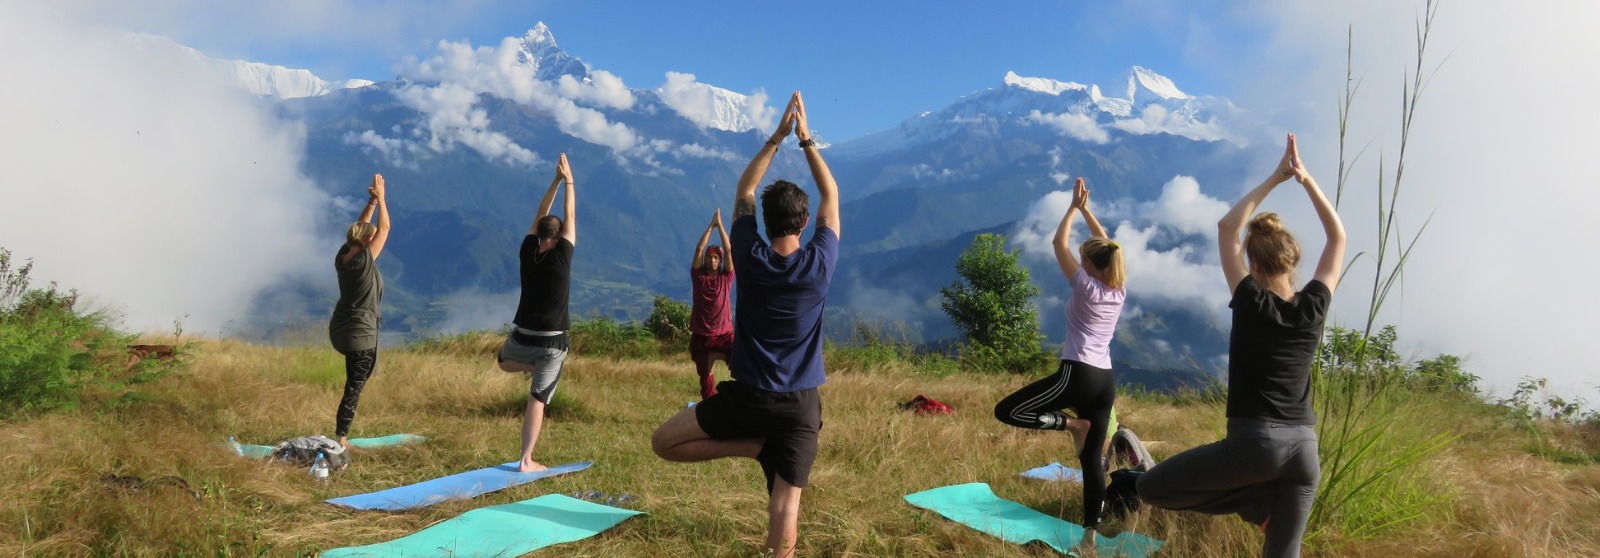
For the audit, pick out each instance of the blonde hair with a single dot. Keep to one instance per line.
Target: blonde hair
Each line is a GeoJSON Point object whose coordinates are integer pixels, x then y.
{"type": "Point", "coordinates": [359, 233]}
{"type": "Point", "coordinates": [1107, 257]}
{"type": "Point", "coordinates": [1270, 246]}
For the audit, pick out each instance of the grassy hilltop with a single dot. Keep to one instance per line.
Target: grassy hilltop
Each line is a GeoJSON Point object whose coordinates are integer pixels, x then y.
{"type": "Point", "coordinates": [1483, 494]}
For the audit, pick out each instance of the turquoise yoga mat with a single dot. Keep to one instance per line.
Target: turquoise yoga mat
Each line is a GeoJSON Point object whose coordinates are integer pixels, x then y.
{"type": "Point", "coordinates": [253, 451]}
{"type": "Point", "coordinates": [976, 506]}
{"type": "Point", "coordinates": [506, 530]}
{"type": "Point", "coordinates": [459, 486]}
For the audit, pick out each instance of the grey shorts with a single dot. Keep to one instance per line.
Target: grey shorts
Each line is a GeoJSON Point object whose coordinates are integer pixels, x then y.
{"type": "Point", "coordinates": [546, 362]}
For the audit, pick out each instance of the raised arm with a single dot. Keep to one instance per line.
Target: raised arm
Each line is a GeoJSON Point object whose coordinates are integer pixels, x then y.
{"type": "Point", "coordinates": [1331, 264]}
{"type": "Point", "coordinates": [382, 236]}
{"type": "Point", "coordinates": [828, 206]}
{"type": "Point", "coordinates": [727, 246]}
{"type": "Point", "coordinates": [1229, 245]}
{"type": "Point", "coordinates": [700, 248]}
{"type": "Point", "coordinates": [372, 202]}
{"type": "Point", "coordinates": [744, 197]}
{"type": "Point", "coordinates": [545, 203]}
{"type": "Point", "coordinates": [569, 221]}
{"type": "Point", "coordinates": [1063, 240]}
{"type": "Point", "coordinates": [1088, 216]}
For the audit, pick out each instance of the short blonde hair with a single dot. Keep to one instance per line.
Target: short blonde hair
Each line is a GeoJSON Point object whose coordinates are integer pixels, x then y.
{"type": "Point", "coordinates": [1107, 257]}
{"type": "Point", "coordinates": [360, 232]}
{"type": "Point", "coordinates": [1271, 247]}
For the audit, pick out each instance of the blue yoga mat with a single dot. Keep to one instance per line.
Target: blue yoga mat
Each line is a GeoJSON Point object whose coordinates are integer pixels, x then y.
{"type": "Point", "coordinates": [454, 487]}
{"type": "Point", "coordinates": [976, 506]}
{"type": "Point", "coordinates": [1054, 472]}
{"type": "Point", "coordinates": [506, 530]}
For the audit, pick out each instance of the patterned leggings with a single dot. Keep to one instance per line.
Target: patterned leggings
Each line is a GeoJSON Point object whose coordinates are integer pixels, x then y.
{"type": "Point", "coordinates": [1089, 392]}
{"type": "Point", "coordinates": [358, 366]}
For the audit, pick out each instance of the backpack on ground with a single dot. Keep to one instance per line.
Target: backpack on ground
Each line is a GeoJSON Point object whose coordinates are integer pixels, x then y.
{"type": "Point", "coordinates": [303, 451]}
{"type": "Point", "coordinates": [1128, 452]}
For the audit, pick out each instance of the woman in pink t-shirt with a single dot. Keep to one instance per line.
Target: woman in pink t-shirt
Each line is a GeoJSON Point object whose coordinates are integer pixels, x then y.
{"type": "Point", "coordinates": [710, 323]}
{"type": "Point", "coordinates": [1084, 381]}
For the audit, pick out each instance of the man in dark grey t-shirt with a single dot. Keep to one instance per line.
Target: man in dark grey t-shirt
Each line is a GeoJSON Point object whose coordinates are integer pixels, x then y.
{"type": "Point", "coordinates": [537, 343]}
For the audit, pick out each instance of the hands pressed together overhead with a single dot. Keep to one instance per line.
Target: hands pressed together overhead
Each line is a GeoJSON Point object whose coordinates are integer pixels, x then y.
{"type": "Point", "coordinates": [1290, 166]}
{"type": "Point", "coordinates": [792, 121]}
{"type": "Point", "coordinates": [375, 191]}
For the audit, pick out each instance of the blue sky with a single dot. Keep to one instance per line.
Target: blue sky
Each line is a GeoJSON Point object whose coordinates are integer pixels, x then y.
{"type": "Point", "coordinates": [864, 65]}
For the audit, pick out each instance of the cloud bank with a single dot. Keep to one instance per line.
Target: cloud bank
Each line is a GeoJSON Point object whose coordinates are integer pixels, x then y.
{"type": "Point", "coordinates": [144, 180]}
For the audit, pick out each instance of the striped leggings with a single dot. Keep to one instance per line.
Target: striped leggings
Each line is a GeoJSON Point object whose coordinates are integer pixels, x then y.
{"type": "Point", "coordinates": [1089, 392]}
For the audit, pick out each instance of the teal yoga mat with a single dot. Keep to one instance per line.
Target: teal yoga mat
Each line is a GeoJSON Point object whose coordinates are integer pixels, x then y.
{"type": "Point", "coordinates": [976, 506]}
{"type": "Point", "coordinates": [506, 530]}
{"type": "Point", "coordinates": [254, 451]}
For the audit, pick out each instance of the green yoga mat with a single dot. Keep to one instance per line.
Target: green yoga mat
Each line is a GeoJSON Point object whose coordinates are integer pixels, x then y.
{"type": "Point", "coordinates": [506, 530]}
{"type": "Point", "coordinates": [254, 451]}
{"type": "Point", "coordinates": [976, 506]}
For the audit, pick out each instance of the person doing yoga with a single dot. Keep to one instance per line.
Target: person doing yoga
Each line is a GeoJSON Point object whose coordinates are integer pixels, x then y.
{"type": "Point", "coordinates": [710, 323]}
{"type": "Point", "coordinates": [537, 344]}
{"type": "Point", "coordinates": [1266, 469]}
{"type": "Point", "coordinates": [1083, 382]}
{"type": "Point", "coordinates": [771, 410]}
{"type": "Point", "coordinates": [353, 328]}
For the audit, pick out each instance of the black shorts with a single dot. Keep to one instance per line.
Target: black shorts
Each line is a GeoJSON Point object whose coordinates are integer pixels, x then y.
{"type": "Point", "coordinates": [787, 422]}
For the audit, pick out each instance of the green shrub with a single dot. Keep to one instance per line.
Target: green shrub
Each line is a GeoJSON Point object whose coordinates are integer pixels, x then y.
{"type": "Point", "coordinates": [50, 350]}
{"type": "Point", "coordinates": [992, 305]}
{"type": "Point", "coordinates": [599, 336]}
{"type": "Point", "coordinates": [669, 321]}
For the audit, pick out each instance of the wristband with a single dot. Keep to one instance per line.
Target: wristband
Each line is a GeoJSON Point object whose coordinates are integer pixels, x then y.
{"type": "Point", "coordinates": [808, 142]}
{"type": "Point", "coordinates": [772, 142]}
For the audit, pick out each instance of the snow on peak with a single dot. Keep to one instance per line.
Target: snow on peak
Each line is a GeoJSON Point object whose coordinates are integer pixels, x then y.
{"type": "Point", "coordinates": [1156, 84]}
{"type": "Point", "coordinates": [1042, 85]}
{"type": "Point", "coordinates": [537, 48]}
{"type": "Point", "coordinates": [261, 79]}
{"type": "Point", "coordinates": [710, 106]}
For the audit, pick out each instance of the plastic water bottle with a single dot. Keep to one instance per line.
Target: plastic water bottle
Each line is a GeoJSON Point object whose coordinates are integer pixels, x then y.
{"type": "Point", "coordinates": [234, 444]}
{"type": "Point", "coordinates": [319, 468]}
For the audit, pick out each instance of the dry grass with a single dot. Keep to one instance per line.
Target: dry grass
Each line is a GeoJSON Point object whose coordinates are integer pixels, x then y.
{"type": "Point", "coordinates": [1502, 501]}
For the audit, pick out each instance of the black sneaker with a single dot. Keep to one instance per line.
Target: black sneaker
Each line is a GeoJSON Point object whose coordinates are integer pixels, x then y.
{"type": "Point", "coordinates": [1122, 496]}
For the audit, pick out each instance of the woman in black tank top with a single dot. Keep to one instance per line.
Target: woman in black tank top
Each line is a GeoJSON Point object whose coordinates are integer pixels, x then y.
{"type": "Point", "coordinates": [1266, 470]}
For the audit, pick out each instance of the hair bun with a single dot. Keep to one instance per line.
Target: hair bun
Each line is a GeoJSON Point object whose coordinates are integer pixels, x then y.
{"type": "Point", "coordinates": [1266, 223]}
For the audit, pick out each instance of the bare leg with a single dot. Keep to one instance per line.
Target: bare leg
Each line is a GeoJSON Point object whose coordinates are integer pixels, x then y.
{"type": "Point", "coordinates": [1080, 433]}
{"type": "Point", "coordinates": [532, 422]}
{"type": "Point", "coordinates": [681, 439]}
{"type": "Point", "coordinates": [783, 518]}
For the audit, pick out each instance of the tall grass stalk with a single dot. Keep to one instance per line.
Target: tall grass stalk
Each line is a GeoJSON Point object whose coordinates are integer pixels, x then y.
{"type": "Point", "coordinates": [1372, 480]}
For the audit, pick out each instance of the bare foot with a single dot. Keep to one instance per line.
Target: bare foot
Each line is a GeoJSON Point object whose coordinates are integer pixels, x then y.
{"type": "Point", "coordinates": [1085, 547]}
{"type": "Point", "coordinates": [344, 442]}
{"type": "Point", "coordinates": [528, 465]}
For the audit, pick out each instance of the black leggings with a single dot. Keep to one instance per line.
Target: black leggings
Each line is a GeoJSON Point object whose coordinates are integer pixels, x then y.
{"type": "Point", "coordinates": [1089, 392]}
{"type": "Point", "coordinates": [358, 366]}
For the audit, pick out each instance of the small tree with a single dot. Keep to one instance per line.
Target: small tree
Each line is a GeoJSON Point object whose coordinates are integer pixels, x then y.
{"type": "Point", "coordinates": [669, 320]}
{"type": "Point", "coordinates": [991, 304]}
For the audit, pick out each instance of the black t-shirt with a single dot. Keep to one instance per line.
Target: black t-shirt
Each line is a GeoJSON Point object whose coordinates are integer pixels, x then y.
{"type": "Point", "coordinates": [1270, 352]}
{"type": "Point", "coordinates": [546, 278]}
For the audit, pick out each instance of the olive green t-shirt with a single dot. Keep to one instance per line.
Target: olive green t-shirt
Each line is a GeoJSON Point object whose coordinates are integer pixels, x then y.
{"type": "Point", "coordinates": [354, 325]}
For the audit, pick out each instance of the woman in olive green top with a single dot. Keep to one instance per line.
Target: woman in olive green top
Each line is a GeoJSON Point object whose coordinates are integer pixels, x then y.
{"type": "Point", "coordinates": [353, 329]}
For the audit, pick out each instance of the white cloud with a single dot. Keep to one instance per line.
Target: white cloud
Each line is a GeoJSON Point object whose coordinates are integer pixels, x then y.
{"type": "Point", "coordinates": [145, 180]}
{"type": "Point", "coordinates": [1156, 119]}
{"type": "Point", "coordinates": [1081, 127]}
{"type": "Point", "coordinates": [603, 89]}
{"type": "Point", "coordinates": [463, 73]}
{"type": "Point", "coordinates": [712, 107]}
{"type": "Point", "coordinates": [695, 150]}
{"type": "Point", "coordinates": [1183, 273]}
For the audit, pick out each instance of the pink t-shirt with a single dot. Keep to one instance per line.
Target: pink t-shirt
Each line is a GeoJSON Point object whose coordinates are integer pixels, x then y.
{"type": "Point", "coordinates": [1092, 313]}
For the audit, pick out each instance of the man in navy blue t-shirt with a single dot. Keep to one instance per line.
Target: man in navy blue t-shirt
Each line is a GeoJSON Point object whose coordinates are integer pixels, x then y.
{"type": "Point", "coordinates": [771, 411]}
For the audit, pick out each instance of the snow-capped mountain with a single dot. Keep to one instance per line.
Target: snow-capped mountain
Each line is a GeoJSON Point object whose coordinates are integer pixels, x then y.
{"type": "Point", "coordinates": [261, 79]}
{"type": "Point", "coordinates": [267, 80]}
{"type": "Point", "coordinates": [1151, 104]}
